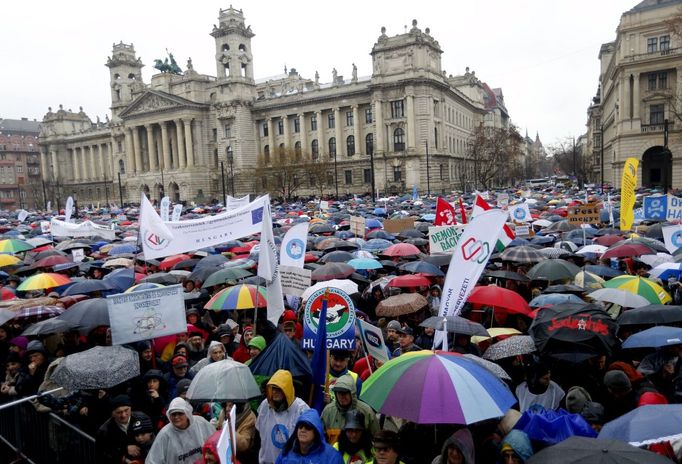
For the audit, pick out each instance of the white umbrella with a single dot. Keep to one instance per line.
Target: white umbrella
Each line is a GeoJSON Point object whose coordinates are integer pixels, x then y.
{"type": "Point", "coordinates": [657, 260]}
{"type": "Point", "coordinates": [347, 286]}
{"type": "Point", "coordinates": [619, 297]}
{"type": "Point", "coordinates": [596, 249]}
{"type": "Point", "coordinates": [542, 223]}
{"type": "Point", "coordinates": [566, 245]}
{"type": "Point", "coordinates": [225, 380]}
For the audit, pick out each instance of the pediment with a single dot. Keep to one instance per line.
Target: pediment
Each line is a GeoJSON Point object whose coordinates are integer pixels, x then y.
{"type": "Point", "coordinates": [153, 101]}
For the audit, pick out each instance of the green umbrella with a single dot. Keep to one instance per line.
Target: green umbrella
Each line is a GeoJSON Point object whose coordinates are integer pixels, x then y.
{"type": "Point", "coordinates": [552, 270]}
{"type": "Point", "coordinates": [222, 276]}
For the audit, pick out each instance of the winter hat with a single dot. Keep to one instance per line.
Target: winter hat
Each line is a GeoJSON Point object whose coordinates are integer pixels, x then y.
{"type": "Point", "coordinates": [182, 386]}
{"type": "Point", "coordinates": [143, 346]}
{"type": "Point", "coordinates": [617, 380]}
{"type": "Point", "coordinates": [650, 397]}
{"type": "Point", "coordinates": [576, 398]}
{"type": "Point", "coordinates": [141, 424]}
{"type": "Point", "coordinates": [35, 346]}
{"type": "Point", "coordinates": [405, 330]}
{"type": "Point", "coordinates": [258, 342]}
{"type": "Point", "coordinates": [289, 315]}
{"type": "Point", "coordinates": [354, 420]}
{"type": "Point", "coordinates": [593, 412]}
{"type": "Point", "coordinates": [153, 374]}
{"type": "Point", "coordinates": [179, 361]}
{"type": "Point", "coordinates": [247, 329]}
{"type": "Point", "coordinates": [119, 401]}
{"type": "Point", "coordinates": [386, 438]}
{"type": "Point", "coordinates": [224, 330]}
{"type": "Point", "coordinates": [393, 325]}
{"type": "Point", "coordinates": [21, 342]}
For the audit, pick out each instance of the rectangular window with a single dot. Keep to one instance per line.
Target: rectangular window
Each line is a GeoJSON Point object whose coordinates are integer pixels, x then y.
{"type": "Point", "coordinates": [297, 125]}
{"type": "Point", "coordinates": [349, 118]}
{"type": "Point", "coordinates": [265, 129]}
{"type": "Point", "coordinates": [367, 176]}
{"type": "Point", "coordinates": [119, 146]}
{"type": "Point", "coordinates": [656, 114]}
{"type": "Point", "coordinates": [663, 80]}
{"type": "Point", "coordinates": [331, 120]}
{"type": "Point", "coordinates": [20, 169]}
{"type": "Point", "coordinates": [369, 119]}
{"type": "Point", "coordinates": [664, 43]}
{"type": "Point", "coordinates": [313, 122]}
{"type": "Point", "coordinates": [280, 127]}
{"type": "Point", "coordinates": [651, 81]}
{"type": "Point", "coordinates": [348, 177]}
{"type": "Point", "coordinates": [651, 45]}
{"type": "Point", "coordinates": [228, 131]}
{"type": "Point", "coordinates": [215, 135]}
{"type": "Point", "coordinates": [397, 109]}
{"type": "Point", "coordinates": [397, 174]}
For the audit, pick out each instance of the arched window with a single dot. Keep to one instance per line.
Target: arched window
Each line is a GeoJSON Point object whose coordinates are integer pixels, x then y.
{"type": "Point", "coordinates": [226, 47]}
{"type": "Point", "coordinates": [350, 145]}
{"type": "Point", "coordinates": [332, 147]}
{"type": "Point", "coordinates": [369, 144]}
{"type": "Point", "coordinates": [121, 167]}
{"type": "Point", "coordinates": [297, 149]}
{"type": "Point", "coordinates": [117, 76]}
{"type": "Point", "coordinates": [266, 154]}
{"type": "Point", "coordinates": [315, 149]}
{"type": "Point", "coordinates": [399, 139]}
{"type": "Point", "coordinates": [242, 48]}
{"type": "Point", "coordinates": [131, 76]}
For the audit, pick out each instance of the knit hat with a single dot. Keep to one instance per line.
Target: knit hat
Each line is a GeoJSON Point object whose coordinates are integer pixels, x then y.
{"type": "Point", "coordinates": [258, 342]}
{"type": "Point", "coordinates": [593, 413]}
{"type": "Point", "coordinates": [289, 315]}
{"type": "Point", "coordinates": [576, 398]}
{"type": "Point", "coordinates": [617, 380]}
{"type": "Point", "coordinates": [179, 361]}
{"type": "Point", "coordinates": [182, 386]}
{"type": "Point", "coordinates": [35, 346]}
{"type": "Point", "coordinates": [393, 325]}
{"type": "Point", "coordinates": [119, 401]}
{"type": "Point", "coordinates": [650, 397]}
{"type": "Point", "coordinates": [21, 342]}
{"type": "Point", "coordinates": [141, 424]}
{"type": "Point", "coordinates": [248, 328]}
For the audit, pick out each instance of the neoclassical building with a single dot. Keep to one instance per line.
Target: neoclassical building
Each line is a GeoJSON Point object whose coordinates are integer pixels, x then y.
{"type": "Point", "coordinates": [636, 111]}
{"type": "Point", "coordinates": [176, 134]}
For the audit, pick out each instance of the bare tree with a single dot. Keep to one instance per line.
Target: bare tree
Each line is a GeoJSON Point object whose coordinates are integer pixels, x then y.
{"type": "Point", "coordinates": [569, 158]}
{"type": "Point", "coordinates": [320, 174]}
{"type": "Point", "coordinates": [494, 152]}
{"type": "Point", "coordinates": [288, 171]}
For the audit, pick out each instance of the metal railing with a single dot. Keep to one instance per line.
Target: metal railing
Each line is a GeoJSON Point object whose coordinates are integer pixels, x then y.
{"type": "Point", "coordinates": [39, 438]}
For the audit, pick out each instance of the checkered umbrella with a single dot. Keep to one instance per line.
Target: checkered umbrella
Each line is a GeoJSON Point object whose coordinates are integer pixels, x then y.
{"type": "Point", "coordinates": [522, 254]}
{"type": "Point", "coordinates": [555, 252]}
{"type": "Point", "coordinates": [39, 312]}
{"type": "Point", "coordinates": [512, 346]}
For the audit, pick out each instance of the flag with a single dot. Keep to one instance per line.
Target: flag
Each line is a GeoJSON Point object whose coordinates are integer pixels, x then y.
{"type": "Point", "coordinates": [268, 268]}
{"type": "Point", "coordinates": [68, 209]}
{"type": "Point", "coordinates": [227, 443]}
{"type": "Point", "coordinates": [177, 211]}
{"type": "Point", "coordinates": [165, 209]}
{"type": "Point", "coordinates": [462, 210]}
{"type": "Point", "coordinates": [292, 251]}
{"type": "Point", "coordinates": [445, 213]}
{"type": "Point", "coordinates": [627, 194]}
{"type": "Point", "coordinates": [506, 234]}
{"type": "Point", "coordinates": [520, 212]}
{"type": "Point", "coordinates": [469, 259]}
{"type": "Point", "coordinates": [153, 232]}
{"type": "Point", "coordinates": [672, 235]}
{"type": "Point", "coordinates": [415, 195]}
{"type": "Point", "coordinates": [319, 362]}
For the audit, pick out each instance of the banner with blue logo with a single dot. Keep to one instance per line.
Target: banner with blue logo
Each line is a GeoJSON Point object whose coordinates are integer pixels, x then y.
{"type": "Point", "coordinates": [672, 235]}
{"type": "Point", "coordinates": [656, 208]}
{"type": "Point", "coordinates": [340, 320]}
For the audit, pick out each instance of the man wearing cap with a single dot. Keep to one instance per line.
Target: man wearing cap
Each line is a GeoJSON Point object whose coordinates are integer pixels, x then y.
{"type": "Point", "coordinates": [112, 442]}
{"type": "Point", "coordinates": [180, 441]}
{"type": "Point", "coordinates": [385, 447]}
{"type": "Point", "coordinates": [225, 336]}
{"type": "Point", "coordinates": [621, 398]}
{"type": "Point", "coordinates": [392, 335]}
{"type": "Point", "coordinates": [197, 347]}
{"type": "Point", "coordinates": [405, 341]}
{"type": "Point", "coordinates": [179, 370]}
{"type": "Point", "coordinates": [345, 399]}
{"type": "Point", "coordinates": [339, 361]}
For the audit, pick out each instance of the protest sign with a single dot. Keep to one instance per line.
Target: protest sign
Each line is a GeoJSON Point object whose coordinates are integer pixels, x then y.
{"type": "Point", "coordinates": [672, 236]}
{"type": "Point", "coordinates": [294, 243]}
{"type": "Point", "coordinates": [502, 200]}
{"type": "Point", "coordinates": [227, 443]}
{"type": "Point", "coordinates": [340, 320]}
{"type": "Point", "coordinates": [443, 239]}
{"type": "Point", "coordinates": [164, 209]}
{"type": "Point", "coordinates": [583, 214]}
{"type": "Point", "coordinates": [78, 255]}
{"type": "Point", "coordinates": [84, 229]}
{"type": "Point", "coordinates": [628, 184]}
{"type": "Point", "coordinates": [45, 227]}
{"type": "Point", "coordinates": [655, 207]}
{"type": "Point", "coordinates": [522, 231]}
{"type": "Point", "coordinates": [393, 226]}
{"type": "Point", "coordinates": [177, 211]}
{"type": "Point", "coordinates": [295, 280]}
{"type": "Point", "coordinates": [234, 203]}
{"type": "Point", "coordinates": [373, 340]}
{"type": "Point", "coordinates": [520, 213]}
{"type": "Point", "coordinates": [146, 314]}
{"type": "Point", "coordinates": [357, 226]}
{"type": "Point", "coordinates": [674, 210]}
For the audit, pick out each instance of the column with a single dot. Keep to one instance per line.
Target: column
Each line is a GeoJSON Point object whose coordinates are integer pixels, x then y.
{"type": "Point", "coordinates": [43, 165]}
{"type": "Point", "coordinates": [109, 165]}
{"type": "Point", "coordinates": [83, 161]}
{"type": "Point", "coordinates": [379, 128]}
{"type": "Point", "coordinates": [151, 148]}
{"type": "Point", "coordinates": [635, 98]}
{"type": "Point", "coordinates": [165, 146]}
{"type": "Point", "coordinates": [356, 131]}
{"type": "Point", "coordinates": [337, 132]}
{"type": "Point", "coordinates": [304, 135]}
{"type": "Point", "coordinates": [271, 139]}
{"type": "Point", "coordinates": [137, 149]}
{"type": "Point", "coordinates": [130, 154]}
{"type": "Point", "coordinates": [100, 155]}
{"type": "Point", "coordinates": [55, 164]}
{"type": "Point", "coordinates": [411, 124]}
{"type": "Point", "coordinates": [287, 132]}
{"type": "Point", "coordinates": [189, 140]}
{"type": "Point", "coordinates": [173, 136]}
{"type": "Point", "coordinates": [92, 160]}
{"type": "Point", "coordinates": [321, 142]}
{"type": "Point", "coordinates": [181, 143]}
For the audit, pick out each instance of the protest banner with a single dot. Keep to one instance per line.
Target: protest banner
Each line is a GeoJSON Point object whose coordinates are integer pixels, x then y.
{"type": "Point", "coordinates": [502, 200]}
{"type": "Point", "coordinates": [45, 227]}
{"type": "Point", "coordinates": [68, 209]}
{"type": "Point", "coordinates": [583, 214]}
{"type": "Point", "coordinates": [445, 213]}
{"type": "Point", "coordinates": [84, 229]}
{"type": "Point", "coordinates": [294, 243]}
{"type": "Point", "coordinates": [295, 280]}
{"type": "Point", "coordinates": [520, 213]}
{"type": "Point", "coordinates": [357, 226]}
{"type": "Point", "coordinates": [234, 203]}
{"type": "Point", "coordinates": [394, 226]}
{"type": "Point", "coordinates": [674, 210]}
{"type": "Point", "coordinates": [522, 231]}
{"type": "Point", "coordinates": [627, 193]}
{"type": "Point", "coordinates": [340, 320]}
{"type": "Point", "coordinates": [78, 255]}
{"type": "Point", "coordinates": [146, 314]}
{"type": "Point", "coordinates": [177, 211]}
{"type": "Point", "coordinates": [443, 239]}
{"type": "Point", "coordinates": [655, 207]}
{"type": "Point", "coordinates": [672, 236]}
{"type": "Point", "coordinates": [373, 340]}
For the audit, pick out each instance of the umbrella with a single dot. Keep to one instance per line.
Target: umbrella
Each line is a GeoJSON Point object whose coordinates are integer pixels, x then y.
{"type": "Point", "coordinates": [608, 240]}
{"type": "Point", "coordinates": [666, 270]}
{"type": "Point", "coordinates": [186, 264]}
{"type": "Point", "coordinates": [8, 260]}
{"type": "Point", "coordinates": [6, 294]}
{"type": "Point", "coordinates": [397, 305]}
{"type": "Point", "coordinates": [491, 366]}
{"type": "Point", "coordinates": [574, 332]}
{"type": "Point", "coordinates": [651, 315]}
{"type": "Point", "coordinates": [658, 259]}
{"type": "Point", "coordinates": [401, 250]}
{"type": "Point", "coordinates": [516, 345]}
{"type": "Point", "coordinates": [630, 249]}
{"type": "Point", "coordinates": [646, 425]}
{"type": "Point", "coordinates": [47, 327]}
{"type": "Point", "coordinates": [409, 280]}
{"type": "Point", "coordinates": [347, 286]}
{"type": "Point", "coordinates": [563, 288]}
{"type": "Point", "coordinates": [522, 254]}
{"type": "Point", "coordinates": [281, 354]}
{"type": "Point", "coordinates": [243, 296]}
{"type": "Point", "coordinates": [42, 281]}
{"type": "Point", "coordinates": [87, 314]}
{"type": "Point", "coordinates": [588, 280]}
{"type": "Point", "coordinates": [211, 261]}
{"type": "Point", "coordinates": [162, 278]}
{"type": "Point", "coordinates": [583, 450]}
{"type": "Point", "coordinates": [620, 297]}
{"type": "Point", "coordinates": [118, 262]}
{"type": "Point", "coordinates": [561, 226]}
{"type": "Point", "coordinates": [6, 315]}
{"type": "Point", "coordinates": [509, 275]}
{"type": "Point", "coordinates": [553, 269]}
{"type": "Point", "coordinates": [201, 274]}
{"type": "Point", "coordinates": [365, 263]}
{"type": "Point", "coordinates": [380, 235]}
{"type": "Point", "coordinates": [171, 261]}
{"type": "Point", "coordinates": [602, 271]}
{"type": "Point", "coordinates": [222, 381]}
{"type": "Point", "coordinates": [655, 337]}
{"type": "Point", "coordinates": [122, 249]}
{"type": "Point", "coordinates": [499, 298]}
{"type": "Point", "coordinates": [84, 287]}
{"type": "Point", "coordinates": [120, 279]}
{"type": "Point", "coordinates": [436, 388]}
{"type": "Point", "coordinates": [550, 299]}
{"type": "Point", "coordinates": [421, 267]}
{"type": "Point", "coordinates": [640, 286]}
{"type": "Point", "coordinates": [596, 249]}
{"type": "Point", "coordinates": [322, 228]}
{"type": "Point", "coordinates": [332, 271]}
{"type": "Point", "coordinates": [337, 256]}
{"type": "Point", "coordinates": [14, 246]}
{"type": "Point", "coordinates": [223, 275]}
{"type": "Point", "coordinates": [549, 427]}
{"type": "Point", "coordinates": [331, 244]}
{"type": "Point", "coordinates": [376, 245]}
{"type": "Point", "coordinates": [39, 312]}
{"type": "Point", "coordinates": [98, 367]}
{"type": "Point", "coordinates": [143, 286]}
{"type": "Point", "coordinates": [455, 324]}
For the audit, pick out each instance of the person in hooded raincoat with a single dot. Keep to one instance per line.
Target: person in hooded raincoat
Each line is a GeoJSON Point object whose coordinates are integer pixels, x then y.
{"type": "Point", "coordinates": [180, 442]}
{"type": "Point", "coordinates": [307, 444]}
{"type": "Point", "coordinates": [345, 399]}
{"type": "Point", "coordinates": [458, 449]}
{"type": "Point", "coordinates": [516, 448]}
{"type": "Point", "coordinates": [277, 415]}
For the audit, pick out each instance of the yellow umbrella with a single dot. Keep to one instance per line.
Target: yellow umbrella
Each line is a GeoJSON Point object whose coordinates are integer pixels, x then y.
{"type": "Point", "coordinates": [8, 260]}
{"type": "Point", "coordinates": [495, 332]}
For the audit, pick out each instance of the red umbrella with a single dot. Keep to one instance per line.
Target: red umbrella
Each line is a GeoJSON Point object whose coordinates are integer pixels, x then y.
{"type": "Point", "coordinates": [51, 261]}
{"type": "Point", "coordinates": [401, 249]}
{"type": "Point", "coordinates": [309, 258]}
{"type": "Point", "coordinates": [500, 298]}
{"type": "Point", "coordinates": [410, 280]}
{"type": "Point", "coordinates": [631, 249]}
{"type": "Point", "coordinates": [171, 261]}
{"type": "Point", "coordinates": [608, 240]}
{"type": "Point", "coordinates": [6, 294]}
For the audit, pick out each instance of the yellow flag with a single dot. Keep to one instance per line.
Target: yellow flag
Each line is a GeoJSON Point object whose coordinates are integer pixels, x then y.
{"type": "Point", "coordinates": [627, 193]}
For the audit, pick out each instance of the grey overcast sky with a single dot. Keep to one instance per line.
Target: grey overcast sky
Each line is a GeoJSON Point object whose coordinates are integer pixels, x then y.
{"type": "Point", "coordinates": [542, 53]}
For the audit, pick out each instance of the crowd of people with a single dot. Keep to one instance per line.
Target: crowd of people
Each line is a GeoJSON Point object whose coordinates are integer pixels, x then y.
{"type": "Point", "coordinates": [149, 418]}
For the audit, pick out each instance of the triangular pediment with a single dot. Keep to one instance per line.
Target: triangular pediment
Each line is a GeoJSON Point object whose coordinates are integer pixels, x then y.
{"type": "Point", "coordinates": [154, 101]}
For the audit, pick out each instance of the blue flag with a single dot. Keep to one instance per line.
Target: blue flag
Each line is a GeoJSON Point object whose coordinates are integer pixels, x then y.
{"type": "Point", "coordinates": [319, 361]}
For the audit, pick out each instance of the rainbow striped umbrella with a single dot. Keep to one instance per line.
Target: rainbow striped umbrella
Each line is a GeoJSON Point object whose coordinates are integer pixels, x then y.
{"type": "Point", "coordinates": [640, 286]}
{"type": "Point", "coordinates": [143, 286]}
{"type": "Point", "coordinates": [436, 388]}
{"type": "Point", "coordinates": [238, 297]}
{"type": "Point", "coordinates": [42, 281]}
{"type": "Point", "coordinates": [13, 245]}
{"type": "Point", "coordinates": [8, 260]}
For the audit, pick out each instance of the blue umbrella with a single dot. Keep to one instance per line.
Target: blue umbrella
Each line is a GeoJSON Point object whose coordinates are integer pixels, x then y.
{"type": "Point", "coordinates": [87, 286]}
{"type": "Point", "coordinates": [97, 245]}
{"type": "Point", "coordinates": [655, 337]}
{"type": "Point", "coordinates": [344, 234]}
{"type": "Point", "coordinates": [518, 242]}
{"type": "Point", "coordinates": [551, 427]}
{"type": "Point", "coordinates": [121, 279]}
{"type": "Point", "coordinates": [380, 234]}
{"type": "Point", "coordinates": [603, 271]}
{"type": "Point", "coordinates": [423, 267]}
{"type": "Point", "coordinates": [365, 263]}
{"type": "Point", "coordinates": [542, 240]}
{"type": "Point", "coordinates": [646, 424]}
{"type": "Point", "coordinates": [211, 261]}
{"type": "Point", "coordinates": [379, 212]}
{"type": "Point", "coordinates": [376, 244]}
{"type": "Point", "coordinates": [121, 249]}
{"type": "Point", "coordinates": [554, 299]}
{"type": "Point", "coordinates": [429, 217]}
{"type": "Point", "coordinates": [372, 223]}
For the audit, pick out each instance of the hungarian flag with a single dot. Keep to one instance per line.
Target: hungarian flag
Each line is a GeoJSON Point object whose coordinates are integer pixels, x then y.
{"type": "Point", "coordinates": [445, 213]}
{"type": "Point", "coordinates": [506, 235]}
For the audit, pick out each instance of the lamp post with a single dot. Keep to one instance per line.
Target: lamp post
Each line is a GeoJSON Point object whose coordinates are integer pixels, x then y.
{"type": "Point", "coordinates": [230, 159]}
{"type": "Point", "coordinates": [428, 174]}
{"type": "Point", "coordinates": [44, 194]}
{"type": "Point", "coordinates": [106, 190]}
{"type": "Point", "coordinates": [162, 191]}
{"type": "Point", "coordinates": [665, 154]}
{"type": "Point", "coordinates": [120, 189]}
{"type": "Point", "coordinates": [222, 175]}
{"type": "Point", "coordinates": [371, 169]}
{"type": "Point", "coordinates": [336, 177]}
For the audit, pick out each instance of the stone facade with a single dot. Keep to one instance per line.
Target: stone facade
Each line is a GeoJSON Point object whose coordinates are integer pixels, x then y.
{"type": "Point", "coordinates": [174, 135]}
{"type": "Point", "coordinates": [640, 88]}
{"type": "Point", "coordinates": [20, 181]}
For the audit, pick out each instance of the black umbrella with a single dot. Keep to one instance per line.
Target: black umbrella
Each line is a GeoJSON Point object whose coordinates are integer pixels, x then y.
{"type": "Point", "coordinates": [332, 271]}
{"type": "Point", "coordinates": [211, 261]}
{"type": "Point", "coordinates": [204, 273]}
{"type": "Point", "coordinates": [87, 314]}
{"type": "Point", "coordinates": [522, 254]}
{"type": "Point", "coordinates": [508, 275]}
{"type": "Point", "coordinates": [438, 260]}
{"type": "Point", "coordinates": [336, 257]}
{"type": "Point", "coordinates": [603, 271]}
{"type": "Point", "coordinates": [583, 450]}
{"type": "Point", "coordinates": [321, 228]}
{"type": "Point", "coordinates": [564, 288]}
{"type": "Point", "coordinates": [380, 234]}
{"type": "Point", "coordinates": [88, 286]}
{"type": "Point", "coordinates": [163, 278]}
{"type": "Point", "coordinates": [456, 324]}
{"type": "Point", "coordinates": [417, 241]}
{"type": "Point", "coordinates": [187, 264]}
{"type": "Point", "coordinates": [651, 315]}
{"type": "Point", "coordinates": [421, 267]}
{"type": "Point", "coordinates": [411, 233]}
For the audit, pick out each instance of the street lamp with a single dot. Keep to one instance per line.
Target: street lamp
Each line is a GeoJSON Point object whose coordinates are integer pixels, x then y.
{"type": "Point", "coordinates": [336, 176]}
{"type": "Point", "coordinates": [230, 160]}
{"type": "Point", "coordinates": [120, 189]}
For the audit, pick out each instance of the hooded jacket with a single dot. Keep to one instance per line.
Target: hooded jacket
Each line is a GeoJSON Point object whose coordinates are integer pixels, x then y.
{"type": "Point", "coordinates": [175, 446]}
{"type": "Point", "coordinates": [464, 442]}
{"type": "Point", "coordinates": [210, 447]}
{"type": "Point", "coordinates": [207, 360]}
{"type": "Point", "coordinates": [334, 416]}
{"type": "Point", "coordinates": [520, 443]}
{"type": "Point", "coordinates": [276, 425]}
{"type": "Point", "coordinates": [320, 452]}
